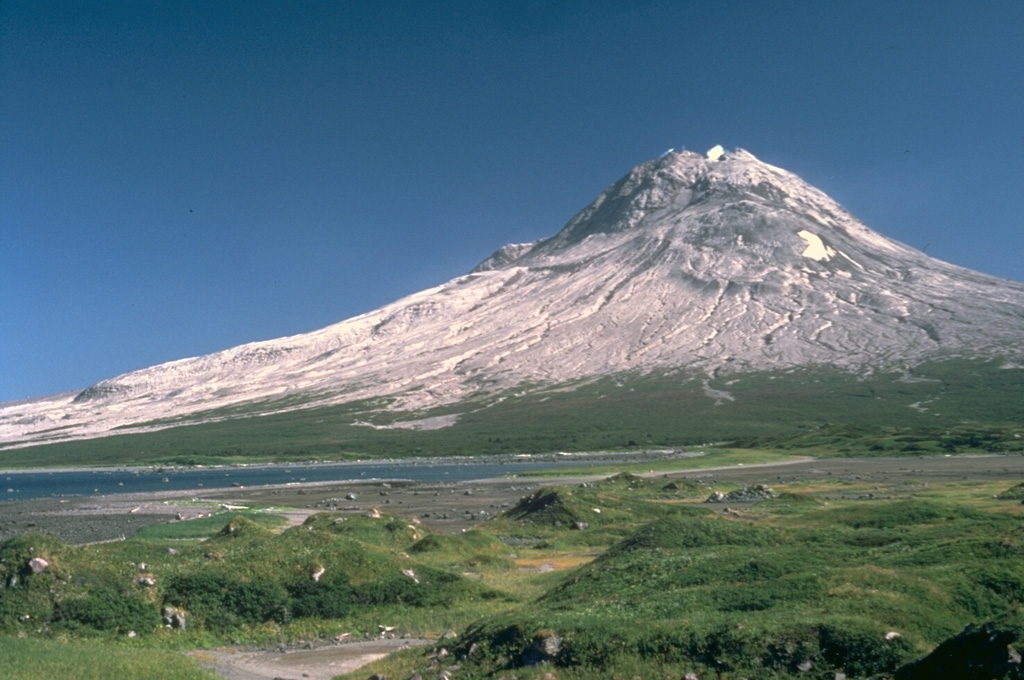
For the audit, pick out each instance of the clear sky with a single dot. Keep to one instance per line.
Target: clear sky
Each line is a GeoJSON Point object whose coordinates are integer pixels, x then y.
{"type": "Point", "coordinates": [178, 177]}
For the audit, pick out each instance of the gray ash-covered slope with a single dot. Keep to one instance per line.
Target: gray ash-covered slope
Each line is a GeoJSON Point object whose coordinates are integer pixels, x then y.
{"type": "Point", "coordinates": [708, 264]}
{"type": "Point", "coordinates": [704, 263]}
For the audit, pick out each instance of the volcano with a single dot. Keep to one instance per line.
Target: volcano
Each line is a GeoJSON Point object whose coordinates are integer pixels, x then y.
{"type": "Point", "coordinates": [709, 264]}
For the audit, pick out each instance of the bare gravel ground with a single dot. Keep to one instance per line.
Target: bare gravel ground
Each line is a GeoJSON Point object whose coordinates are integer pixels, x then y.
{"type": "Point", "coordinates": [322, 663]}
{"type": "Point", "coordinates": [450, 507]}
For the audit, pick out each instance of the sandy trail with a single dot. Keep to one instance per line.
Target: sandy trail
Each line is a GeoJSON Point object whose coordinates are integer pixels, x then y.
{"type": "Point", "coordinates": [315, 664]}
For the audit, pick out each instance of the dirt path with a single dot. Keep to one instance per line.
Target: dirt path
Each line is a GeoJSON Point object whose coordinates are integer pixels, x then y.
{"type": "Point", "coordinates": [315, 664]}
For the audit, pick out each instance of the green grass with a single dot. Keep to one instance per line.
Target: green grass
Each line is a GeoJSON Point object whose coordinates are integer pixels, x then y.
{"type": "Point", "coordinates": [34, 658]}
{"type": "Point", "coordinates": [243, 579]}
{"type": "Point", "coordinates": [943, 406]}
{"type": "Point", "coordinates": [205, 527]}
{"type": "Point", "coordinates": [645, 580]}
{"type": "Point", "coordinates": [794, 579]}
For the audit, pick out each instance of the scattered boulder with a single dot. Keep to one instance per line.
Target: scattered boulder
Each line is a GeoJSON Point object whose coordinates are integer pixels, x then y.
{"type": "Point", "coordinates": [173, 618]}
{"type": "Point", "coordinates": [545, 648]}
{"type": "Point", "coordinates": [746, 494]}
{"type": "Point", "coordinates": [37, 565]}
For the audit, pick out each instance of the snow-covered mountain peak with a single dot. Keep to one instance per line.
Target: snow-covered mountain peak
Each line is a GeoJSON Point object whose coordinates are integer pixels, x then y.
{"type": "Point", "coordinates": [687, 263]}
{"type": "Point", "coordinates": [729, 200]}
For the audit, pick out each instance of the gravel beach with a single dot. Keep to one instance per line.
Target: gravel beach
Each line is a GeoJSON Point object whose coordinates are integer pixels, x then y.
{"type": "Point", "coordinates": [446, 507]}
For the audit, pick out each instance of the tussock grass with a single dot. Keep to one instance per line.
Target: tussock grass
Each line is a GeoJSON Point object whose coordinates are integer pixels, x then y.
{"type": "Point", "coordinates": [32, 659]}
{"type": "Point", "coordinates": [205, 527]}
{"type": "Point", "coordinates": [656, 584]}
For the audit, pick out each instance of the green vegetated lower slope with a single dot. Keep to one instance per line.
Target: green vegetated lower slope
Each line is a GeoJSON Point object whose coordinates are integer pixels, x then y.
{"type": "Point", "coordinates": [621, 578]}
{"type": "Point", "coordinates": [35, 659]}
{"type": "Point", "coordinates": [793, 585]}
{"type": "Point", "coordinates": [243, 577]}
{"type": "Point", "coordinates": [944, 406]}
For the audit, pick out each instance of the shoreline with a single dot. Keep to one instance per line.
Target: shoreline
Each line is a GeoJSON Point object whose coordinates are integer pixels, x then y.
{"type": "Point", "coordinates": [497, 459]}
{"type": "Point", "coordinates": [447, 506]}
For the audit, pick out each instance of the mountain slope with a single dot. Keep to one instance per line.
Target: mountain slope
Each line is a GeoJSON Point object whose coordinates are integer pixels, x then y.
{"type": "Point", "coordinates": [713, 266]}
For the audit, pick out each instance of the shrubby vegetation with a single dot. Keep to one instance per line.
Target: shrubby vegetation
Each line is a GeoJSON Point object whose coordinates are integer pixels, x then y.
{"type": "Point", "coordinates": [793, 586]}
{"type": "Point", "coordinates": [645, 580]}
{"type": "Point", "coordinates": [245, 575]}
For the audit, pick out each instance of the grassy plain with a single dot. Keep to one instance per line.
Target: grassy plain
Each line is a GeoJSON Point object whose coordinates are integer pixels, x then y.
{"type": "Point", "coordinates": [92, 659]}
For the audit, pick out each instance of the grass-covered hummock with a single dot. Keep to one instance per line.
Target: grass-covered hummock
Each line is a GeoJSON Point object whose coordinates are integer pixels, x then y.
{"type": "Point", "coordinates": [245, 576]}
{"type": "Point", "coordinates": [629, 576]}
{"type": "Point", "coordinates": [792, 587]}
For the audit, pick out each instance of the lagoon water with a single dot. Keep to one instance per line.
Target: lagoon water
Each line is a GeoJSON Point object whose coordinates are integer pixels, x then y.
{"type": "Point", "coordinates": [25, 485]}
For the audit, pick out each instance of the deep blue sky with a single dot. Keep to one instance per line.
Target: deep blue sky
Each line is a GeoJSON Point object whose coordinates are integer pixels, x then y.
{"type": "Point", "coordinates": [181, 177]}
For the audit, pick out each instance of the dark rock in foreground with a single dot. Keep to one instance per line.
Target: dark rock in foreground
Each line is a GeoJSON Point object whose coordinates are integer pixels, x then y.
{"type": "Point", "coordinates": [977, 653]}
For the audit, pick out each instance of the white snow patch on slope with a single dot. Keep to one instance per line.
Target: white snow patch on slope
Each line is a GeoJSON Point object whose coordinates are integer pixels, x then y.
{"type": "Point", "coordinates": [720, 396]}
{"type": "Point", "coordinates": [816, 248]}
{"type": "Point", "coordinates": [432, 423]}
